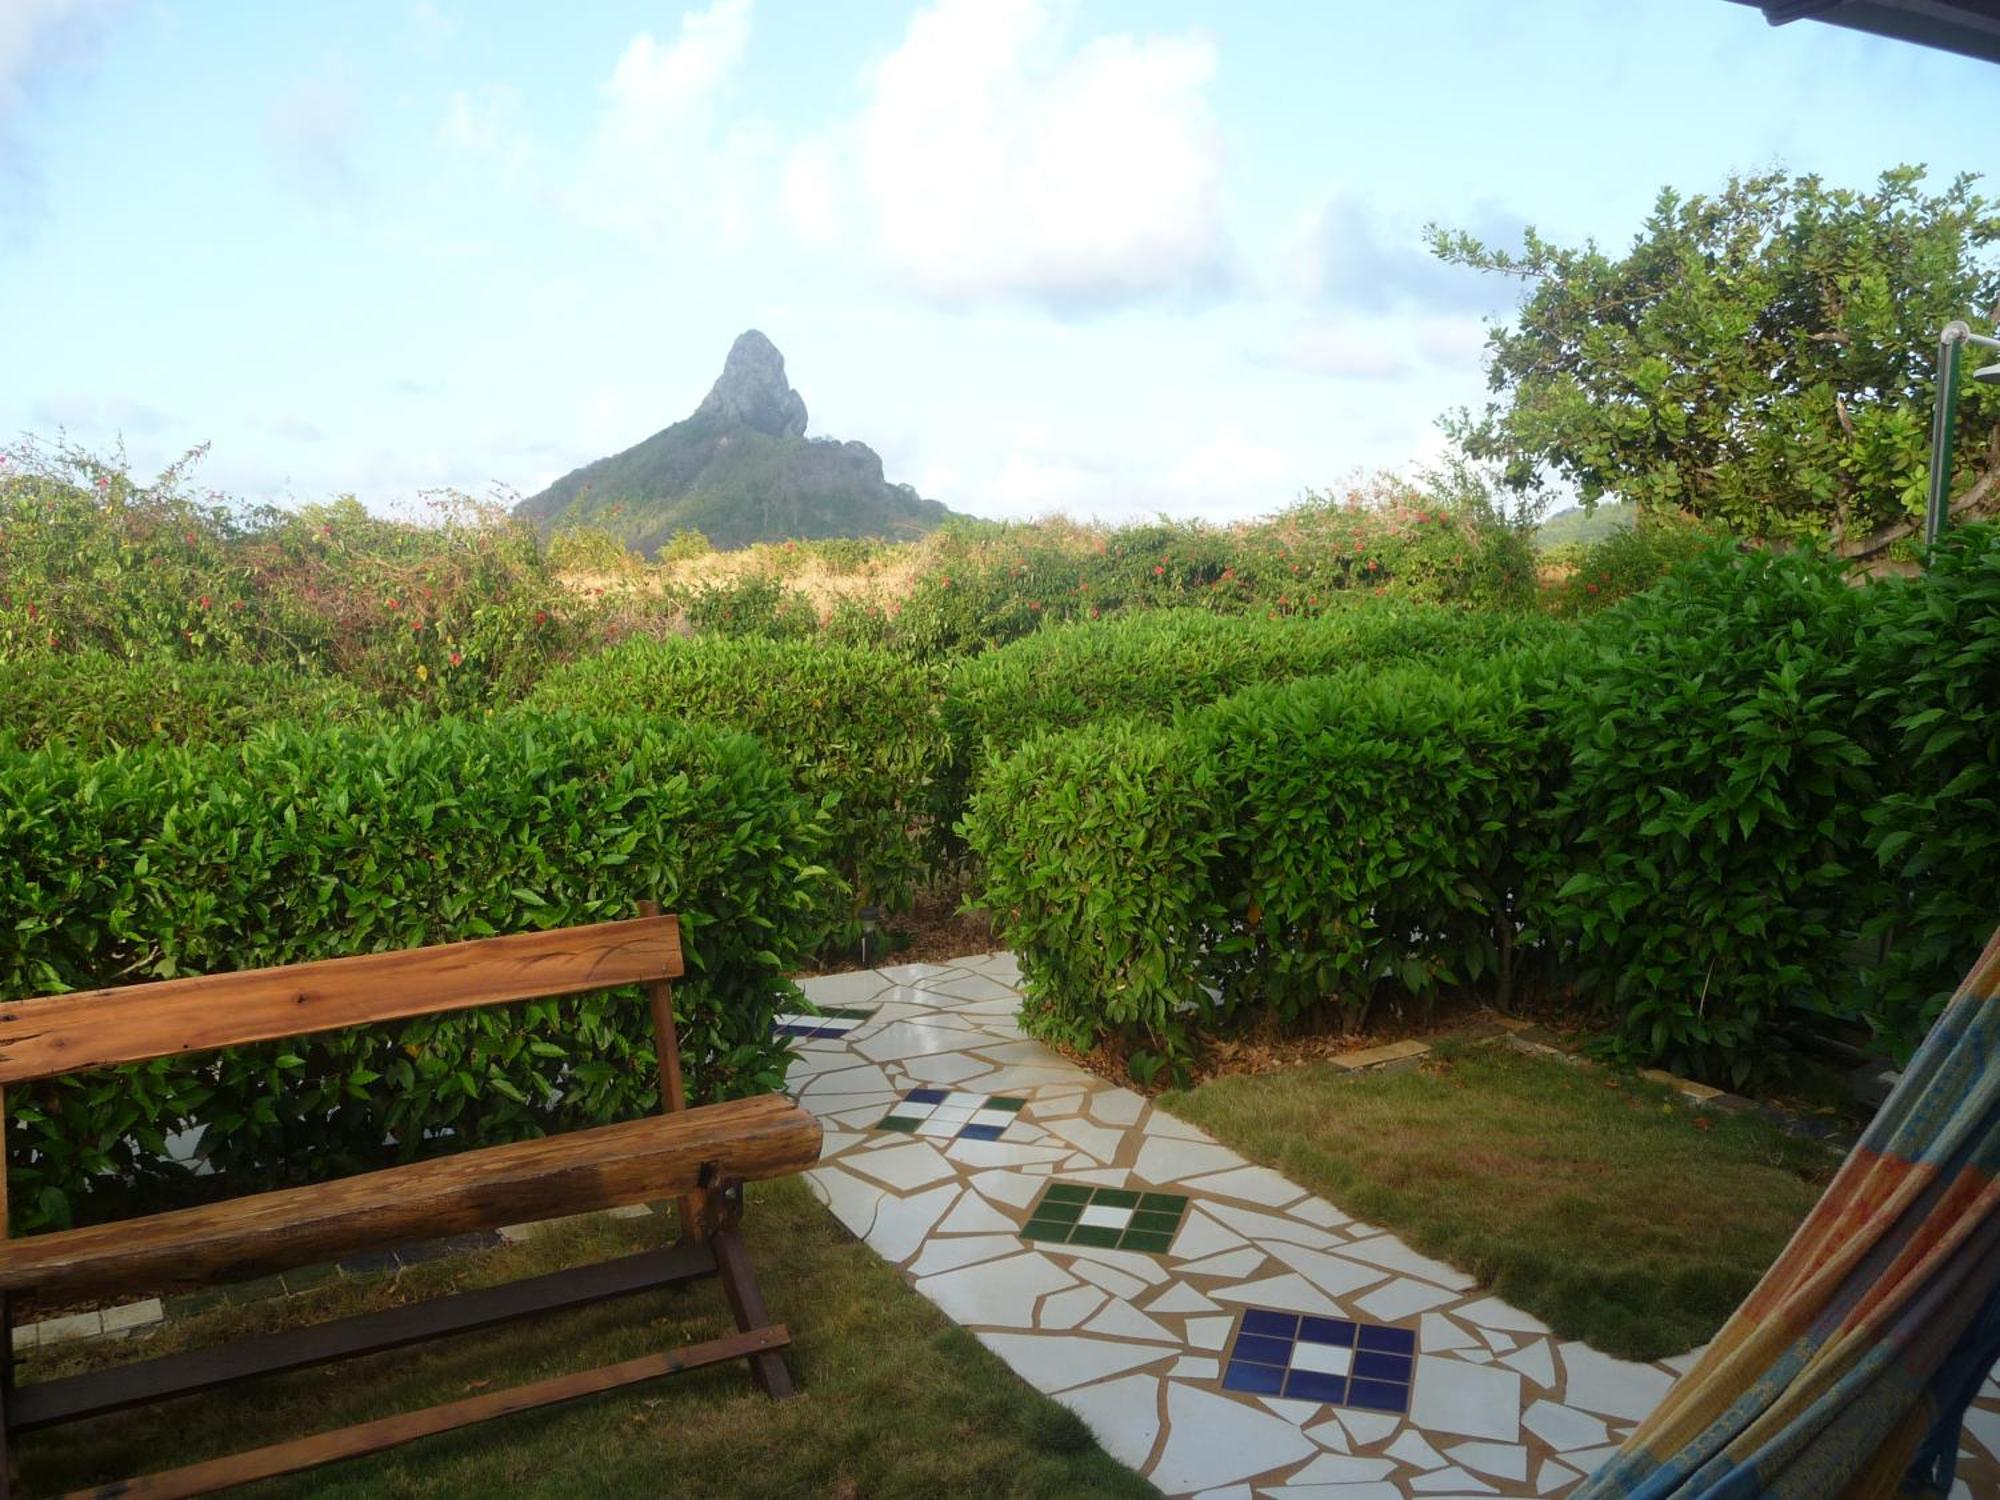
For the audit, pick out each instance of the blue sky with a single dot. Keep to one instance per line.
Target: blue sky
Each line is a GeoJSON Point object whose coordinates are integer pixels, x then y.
{"type": "Point", "coordinates": [1104, 257]}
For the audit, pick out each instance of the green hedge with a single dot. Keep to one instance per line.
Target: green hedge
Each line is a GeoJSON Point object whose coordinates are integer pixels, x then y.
{"type": "Point", "coordinates": [1703, 870]}
{"type": "Point", "coordinates": [858, 726]}
{"type": "Point", "coordinates": [1162, 663]}
{"type": "Point", "coordinates": [94, 703]}
{"type": "Point", "coordinates": [1334, 841]}
{"type": "Point", "coordinates": [304, 844]}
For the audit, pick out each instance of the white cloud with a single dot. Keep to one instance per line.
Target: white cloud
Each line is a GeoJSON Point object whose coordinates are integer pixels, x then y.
{"type": "Point", "coordinates": [808, 195]}
{"type": "Point", "coordinates": [100, 416]}
{"type": "Point", "coordinates": [1000, 159]}
{"type": "Point", "coordinates": [37, 39]}
{"type": "Point", "coordinates": [1029, 484]}
{"type": "Point", "coordinates": [479, 119]}
{"type": "Point", "coordinates": [660, 158]}
{"type": "Point", "coordinates": [311, 130]}
{"type": "Point", "coordinates": [1232, 468]}
{"type": "Point", "coordinates": [1382, 348]}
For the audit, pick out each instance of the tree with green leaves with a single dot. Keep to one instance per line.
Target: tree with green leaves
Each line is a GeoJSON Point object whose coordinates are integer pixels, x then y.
{"type": "Point", "coordinates": [1762, 358]}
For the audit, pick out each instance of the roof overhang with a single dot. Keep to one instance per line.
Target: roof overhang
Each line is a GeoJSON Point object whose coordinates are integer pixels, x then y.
{"type": "Point", "coordinates": [1968, 27]}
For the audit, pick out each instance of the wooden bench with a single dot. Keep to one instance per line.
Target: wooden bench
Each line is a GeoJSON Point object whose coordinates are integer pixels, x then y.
{"type": "Point", "coordinates": [700, 1156]}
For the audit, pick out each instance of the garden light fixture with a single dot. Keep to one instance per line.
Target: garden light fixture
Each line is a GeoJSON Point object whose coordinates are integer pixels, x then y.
{"type": "Point", "coordinates": [1952, 339]}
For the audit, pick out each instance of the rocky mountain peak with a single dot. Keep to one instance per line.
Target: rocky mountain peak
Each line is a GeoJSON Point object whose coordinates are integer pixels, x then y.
{"type": "Point", "coordinates": [752, 390]}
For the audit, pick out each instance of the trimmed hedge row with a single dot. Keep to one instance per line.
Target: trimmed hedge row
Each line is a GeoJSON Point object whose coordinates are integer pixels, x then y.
{"type": "Point", "coordinates": [858, 726]}
{"type": "Point", "coordinates": [1748, 800]}
{"type": "Point", "coordinates": [1310, 844]}
{"type": "Point", "coordinates": [94, 702]}
{"type": "Point", "coordinates": [1160, 664]}
{"type": "Point", "coordinates": [313, 844]}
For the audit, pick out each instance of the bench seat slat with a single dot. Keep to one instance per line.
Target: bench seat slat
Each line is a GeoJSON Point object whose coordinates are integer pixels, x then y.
{"type": "Point", "coordinates": [57, 1034]}
{"type": "Point", "coordinates": [661, 1156]}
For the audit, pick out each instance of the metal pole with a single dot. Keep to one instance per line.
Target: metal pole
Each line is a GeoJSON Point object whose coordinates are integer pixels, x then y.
{"type": "Point", "coordinates": [1944, 421]}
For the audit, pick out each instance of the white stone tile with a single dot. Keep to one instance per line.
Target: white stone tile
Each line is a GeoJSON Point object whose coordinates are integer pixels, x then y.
{"type": "Point", "coordinates": [1611, 1387]}
{"type": "Point", "coordinates": [1563, 1427]}
{"type": "Point", "coordinates": [852, 1200]}
{"type": "Point", "coordinates": [1110, 1278]}
{"type": "Point", "coordinates": [1402, 1298]}
{"type": "Point", "coordinates": [1387, 1250]}
{"type": "Point", "coordinates": [1453, 1480]}
{"type": "Point", "coordinates": [1319, 1211]}
{"type": "Point", "coordinates": [133, 1315]}
{"type": "Point", "coordinates": [902, 1223]}
{"type": "Point", "coordinates": [1335, 1277]}
{"type": "Point", "coordinates": [1589, 1460]}
{"type": "Point", "coordinates": [1330, 1434]}
{"type": "Point", "coordinates": [1007, 1187]}
{"type": "Point", "coordinates": [1124, 1413]}
{"type": "Point", "coordinates": [83, 1325]}
{"type": "Point", "coordinates": [1067, 1309]}
{"type": "Point", "coordinates": [1180, 1298]}
{"type": "Point", "coordinates": [974, 1215]}
{"type": "Point", "coordinates": [946, 1068]}
{"type": "Point", "coordinates": [1120, 1107]}
{"type": "Point", "coordinates": [1336, 1468]}
{"type": "Point", "coordinates": [1227, 1492]}
{"type": "Point", "coordinates": [1131, 1262]}
{"type": "Point", "coordinates": [862, 1078]}
{"type": "Point", "coordinates": [905, 1167]}
{"type": "Point", "coordinates": [1478, 1355]}
{"type": "Point", "coordinates": [977, 1154]}
{"type": "Point", "coordinates": [1534, 1361]}
{"type": "Point", "coordinates": [1495, 1460]}
{"type": "Point", "coordinates": [1159, 1122]}
{"type": "Point", "coordinates": [1163, 1160]}
{"type": "Point", "coordinates": [1059, 1361]}
{"type": "Point", "coordinates": [852, 988]}
{"type": "Point", "coordinates": [968, 987]}
{"type": "Point", "coordinates": [1680, 1364]}
{"type": "Point", "coordinates": [1214, 1440]}
{"type": "Point", "coordinates": [1194, 1367]}
{"type": "Point", "coordinates": [1552, 1478]}
{"type": "Point", "coordinates": [1199, 1235]}
{"type": "Point", "coordinates": [1120, 1319]}
{"type": "Point", "coordinates": [1096, 1176]}
{"type": "Point", "coordinates": [1327, 1359]}
{"type": "Point", "coordinates": [1372, 1489]}
{"type": "Point", "coordinates": [1105, 1216]}
{"type": "Point", "coordinates": [949, 1253]}
{"type": "Point", "coordinates": [1369, 1427]}
{"type": "Point", "coordinates": [1298, 1413]}
{"type": "Point", "coordinates": [1290, 1291]}
{"type": "Point", "coordinates": [1466, 1400]}
{"type": "Point", "coordinates": [1209, 1333]}
{"type": "Point", "coordinates": [1263, 1227]}
{"type": "Point", "coordinates": [997, 1294]}
{"type": "Point", "coordinates": [1235, 1264]}
{"type": "Point", "coordinates": [1499, 1343]}
{"type": "Point", "coordinates": [1491, 1312]}
{"type": "Point", "coordinates": [1100, 1141]}
{"type": "Point", "coordinates": [1436, 1333]}
{"type": "Point", "coordinates": [1410, 1448]}
{"type": "Point", "coordinates": [1251, 1184]}
{"type": "Point", "coordinates": [904, 975]}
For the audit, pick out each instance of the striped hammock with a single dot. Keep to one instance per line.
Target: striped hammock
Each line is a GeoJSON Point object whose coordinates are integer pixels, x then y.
{"type": "Point", "coordinates": [1845, 1375]}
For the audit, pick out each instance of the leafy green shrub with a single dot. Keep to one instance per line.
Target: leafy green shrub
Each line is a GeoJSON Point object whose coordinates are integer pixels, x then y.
{"type": "Point", "coordinates": [1097, 848]}
{"type": "Point", "coordinates": [752, 605]}
{"type": "Point", "coordinates": [1595, 575]}
{"type": "Point", "coordinates": [1161, 663]}
{"type": "Point", "coordinates": [1929, 661]}
{"type": "Point", "coordinates": [1332, 841]}
{"type": "Point", "coordinates": [1704, 868]}
{"type": "Point", "coordinates": [94, 702]}
{"type": "Point", "coordinates": [303, 844]}
{"type": "Point", "coordinates": [858, 726]}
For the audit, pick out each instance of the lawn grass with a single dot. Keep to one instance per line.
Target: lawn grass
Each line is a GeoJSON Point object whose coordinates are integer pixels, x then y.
{"type": "Point", "coordinates": [1598, 1202]}
{"type": "Point", "coordinates": [895, 1400]}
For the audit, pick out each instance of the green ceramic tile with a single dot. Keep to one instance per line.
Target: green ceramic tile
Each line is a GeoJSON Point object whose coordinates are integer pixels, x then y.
{"type": "Point", "coordinates": [1139, 1239]}
{"type": "Point", "coordinates": [1115, 1197]}
{"type": "Point", "coordinates": [904, 1127]}
{"type": "Point", "coordinates": [1156, 1223]}
{"type": "Point", "coordinates": [1164, 1203]}
{"type": "Point", "coordinates": [1066, 1192]}
{"type": "Point", "coordinates": [1061, 1213]}
{"type": "Point", "coordinates": [1046, 1229]}
{"type": "Point", "coordinates": [996, 1102]}
{"type": "Point", "coordinates": [1094, 1234]}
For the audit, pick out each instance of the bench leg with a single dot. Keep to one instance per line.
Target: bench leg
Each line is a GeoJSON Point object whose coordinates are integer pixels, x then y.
{"type": "Point", "coordinates": [746, 1301]}
{"type": "Point", "coordinates": [6, 1394]}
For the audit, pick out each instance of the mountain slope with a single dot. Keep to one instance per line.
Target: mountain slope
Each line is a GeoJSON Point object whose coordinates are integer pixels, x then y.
{"type": "Point", "coordinates": [739, 470]}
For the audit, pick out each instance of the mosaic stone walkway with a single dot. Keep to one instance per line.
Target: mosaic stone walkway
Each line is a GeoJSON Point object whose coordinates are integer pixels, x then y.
{"type": "Point", "coordinates": [1223, 1332]}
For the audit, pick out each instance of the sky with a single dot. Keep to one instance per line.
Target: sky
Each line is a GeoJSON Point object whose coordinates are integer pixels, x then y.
{"type": "Point", "coordinates": [1115, 259]}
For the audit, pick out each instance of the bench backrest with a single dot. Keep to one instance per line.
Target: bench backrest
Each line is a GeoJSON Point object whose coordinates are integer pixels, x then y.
{"type": "Point", "coordinates": [57, 1034]}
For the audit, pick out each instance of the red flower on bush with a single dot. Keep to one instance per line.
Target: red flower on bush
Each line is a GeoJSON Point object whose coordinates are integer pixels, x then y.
{"type": "Point", "coordinates": [1590, 588]}
{"type": "Point", "coordinates": [394, 605]}
{"type": "Point", "coordinates": [541, 617]}
{"type": "Point", "coordinates": [456, 657]}
{"type": "Point", "coordinates": [1035, 605]}
{"type": "Point", "coordinates": [203, 601]}
{"type": "Point", "coordinates": [1159, 571]}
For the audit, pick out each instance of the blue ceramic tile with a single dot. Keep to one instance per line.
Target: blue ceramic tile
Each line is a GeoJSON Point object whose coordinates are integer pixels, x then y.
{"type": "Point", "coordinates": [1275, 1324]}
{"type": "Point", "coordinates": [1389, 1340]}
{"type": "Point", "coordinates": [926, 1096]}
{"type": "Point", "coordinates": [981, 1132]}
{"type": "Point", "coordinates": [1327, 1331]}
{"type": "Point", "coordinates": [1377, 1395]}
{"type": "Point", "coordinates": [1262, 1351]}
{"type": "Point", "coordinates": [1383, 1366]}
{"type": "Point", "coordinates": [1313, 1385]}
{"type": "Point", "coordinates": [1255, 1380]}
